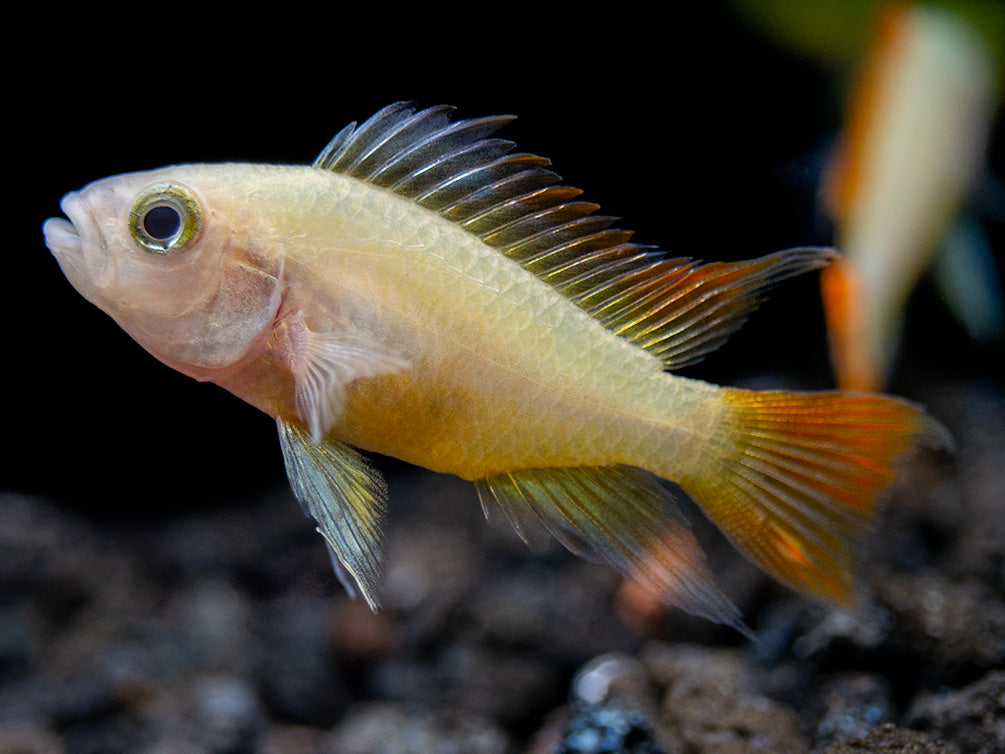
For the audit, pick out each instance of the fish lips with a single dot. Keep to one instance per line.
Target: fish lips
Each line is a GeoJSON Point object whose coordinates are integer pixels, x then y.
{"type": "Point", "coordinates": [77, 246]}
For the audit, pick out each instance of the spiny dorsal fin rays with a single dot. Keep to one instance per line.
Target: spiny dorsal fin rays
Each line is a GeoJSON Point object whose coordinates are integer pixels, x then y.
{"type": "Point", "coordinates": [619, 515]}
{"type": "Point", "coordinates": [351, 141]}
{"type": "Point", "coordinates": [677, 309]}
{"type": "Point", "coordinates": [398, 144]}
{"type": "Point", "coordinates": [378, 154]}
{"type": "Point", "coordinates": [511, 174]}
{"type": "Point", "coordinates": [346, 496]}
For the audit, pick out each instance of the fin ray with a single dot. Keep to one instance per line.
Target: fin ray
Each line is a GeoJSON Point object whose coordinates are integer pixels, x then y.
{"type": "Point", "coordinates": [346, 497]}
{"type": "Point", "coordinates": [324, 364]}
{"type": "Point", "coordinates": [619, 515]}
{"type": "Point", "coordinates": [793, 479]}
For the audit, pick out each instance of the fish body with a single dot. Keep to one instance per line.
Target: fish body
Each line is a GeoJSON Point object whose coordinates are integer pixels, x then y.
{"type": "Point", "coordinates": [424, 293]}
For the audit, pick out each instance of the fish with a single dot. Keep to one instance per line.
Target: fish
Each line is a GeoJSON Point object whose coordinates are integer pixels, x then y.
{"type": "Point", "coordinates": [426, 292]}
{"type": "Point", "coordinates": [913, 147]}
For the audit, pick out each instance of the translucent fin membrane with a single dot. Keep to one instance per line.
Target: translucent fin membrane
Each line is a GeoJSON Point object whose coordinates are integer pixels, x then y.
{"type": "Point", "coordinates": [341, 491]}
{"type": "Point", "coordinates": [618, 515]}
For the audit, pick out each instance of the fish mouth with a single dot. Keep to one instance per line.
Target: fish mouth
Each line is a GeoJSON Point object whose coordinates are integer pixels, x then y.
{"type": "Point", "coordinates": [61, 237]}
{"type": "Point", "coordinates": [77, 249]}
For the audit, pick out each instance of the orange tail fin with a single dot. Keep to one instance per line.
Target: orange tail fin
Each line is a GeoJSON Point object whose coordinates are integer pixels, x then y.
{"type": "Point", "coordinates": [792, 478]}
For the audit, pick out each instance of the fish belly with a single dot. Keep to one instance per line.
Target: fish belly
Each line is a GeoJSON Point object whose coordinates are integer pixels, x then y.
{"type": "Point", "coordinates": [484, 421]}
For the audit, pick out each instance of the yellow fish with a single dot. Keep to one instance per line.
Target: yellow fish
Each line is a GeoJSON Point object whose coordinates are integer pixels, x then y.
{"type": "Point", "coordinates": [424, 292]}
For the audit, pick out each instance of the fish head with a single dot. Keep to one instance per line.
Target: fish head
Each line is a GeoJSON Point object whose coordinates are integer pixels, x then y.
{"type": "Point", "coordinates": [168, 255]}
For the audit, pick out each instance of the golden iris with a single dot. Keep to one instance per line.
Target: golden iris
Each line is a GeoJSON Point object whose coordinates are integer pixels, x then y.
{"type": "Point", "coordinates": [166, 218]}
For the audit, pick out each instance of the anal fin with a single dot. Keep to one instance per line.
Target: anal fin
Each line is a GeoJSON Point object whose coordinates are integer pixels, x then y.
{"type": "Point", "coordinates": [341, 491]}
{"type": "Point", "coordinates": [620, 515]}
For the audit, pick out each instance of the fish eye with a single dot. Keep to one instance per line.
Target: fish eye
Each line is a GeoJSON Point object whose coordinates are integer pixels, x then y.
{"type": "Point", "coordinates": [165, 218]}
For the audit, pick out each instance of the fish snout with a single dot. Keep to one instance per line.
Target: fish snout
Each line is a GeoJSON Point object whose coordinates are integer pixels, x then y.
{"type": "Point", "coordinates": [61, 235]}
{"type": "Point", "coordinates": [76, 245]}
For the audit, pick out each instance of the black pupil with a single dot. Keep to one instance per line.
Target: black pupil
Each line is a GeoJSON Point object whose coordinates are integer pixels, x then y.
{"type": "Point", "coordinates": [161, 223]}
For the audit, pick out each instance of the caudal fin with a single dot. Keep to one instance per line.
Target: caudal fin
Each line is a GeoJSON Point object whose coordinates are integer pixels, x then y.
{"type": "Point", "coordinates": [792, 478]}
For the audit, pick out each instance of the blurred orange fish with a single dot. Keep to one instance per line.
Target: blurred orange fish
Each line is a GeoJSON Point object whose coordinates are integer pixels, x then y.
{"type": "Point", "coordinates": [912, 148]}
{"type": "Point", "coordinates": [424, 292]}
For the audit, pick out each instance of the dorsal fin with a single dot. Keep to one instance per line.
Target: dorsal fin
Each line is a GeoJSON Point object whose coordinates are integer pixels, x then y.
{"type": "Point", "coordinates": [676, 308]}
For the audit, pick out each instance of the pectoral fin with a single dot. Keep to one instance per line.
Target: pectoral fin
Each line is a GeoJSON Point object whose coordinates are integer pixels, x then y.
{"type": "Point", "coordinates": [324, 364]}
{"type": "Point", "coordinates": [338, 488]}
{"type": "Point", "coordinates": [619, 515]}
